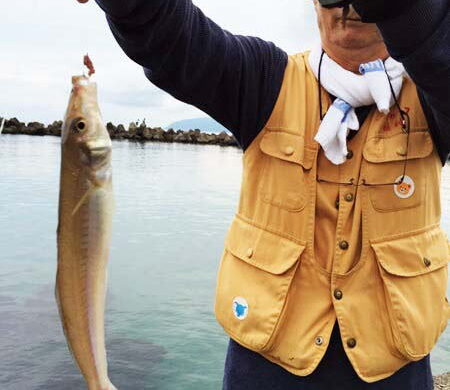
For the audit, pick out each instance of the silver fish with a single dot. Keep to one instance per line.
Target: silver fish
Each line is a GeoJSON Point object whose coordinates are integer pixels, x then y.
{"type": "Point", "coordinates": [84, 232]}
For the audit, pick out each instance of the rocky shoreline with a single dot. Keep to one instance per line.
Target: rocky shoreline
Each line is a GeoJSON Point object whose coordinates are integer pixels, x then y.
{"type": "Point", "coordinates": [442, 382]}
{"type": "Point", "coordinates": [134, 132]}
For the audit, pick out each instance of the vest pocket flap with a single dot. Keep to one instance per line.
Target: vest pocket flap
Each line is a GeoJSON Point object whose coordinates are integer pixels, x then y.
{"type": "Point", "coordinates": [261, 248]}
{"type": "Point", "coordinates": [288, 147]}
{"type": "Point", "coordinates": [414, 255]}
{"type": "Point", "coordinates": [393, 148]}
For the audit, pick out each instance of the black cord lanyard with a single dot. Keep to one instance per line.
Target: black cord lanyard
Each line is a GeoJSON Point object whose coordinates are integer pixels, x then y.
{"type": "Point", "coordinates": [320, 85]}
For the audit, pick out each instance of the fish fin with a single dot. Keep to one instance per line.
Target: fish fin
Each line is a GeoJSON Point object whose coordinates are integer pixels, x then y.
{"type": "Point", "coordinates": [83, 198]}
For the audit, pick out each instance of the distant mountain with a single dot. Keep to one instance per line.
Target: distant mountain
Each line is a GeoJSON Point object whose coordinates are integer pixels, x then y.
{"type": "Point", "coordinates": [206, 125]}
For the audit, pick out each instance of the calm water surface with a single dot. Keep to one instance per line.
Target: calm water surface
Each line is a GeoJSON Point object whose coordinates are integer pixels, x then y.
{"type": "Point", "coordinates": [174, 205]}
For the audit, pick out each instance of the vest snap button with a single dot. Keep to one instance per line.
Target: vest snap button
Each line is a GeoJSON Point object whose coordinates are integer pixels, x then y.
{"type": "Point", "coordinates": [401, 151]}
{"type": "Point", "coordinates": [349, 197]}
{"type": "Point", "coordinates": [427, 262]}
{"type": "Point", "coordinates": [319, 340]}
{"type": "Point", "coordinates": [249, 252]}
{"type": "Point", "coordinates": [344, 245]}
{"type": "Point", "coordinates": [338, 294]}
{"type": "Point", "coordinates": [351, 343]}
{"type": "Point", "coordinates": [349, 155]}
{"type": "Point", "coordinates": [289, 151]}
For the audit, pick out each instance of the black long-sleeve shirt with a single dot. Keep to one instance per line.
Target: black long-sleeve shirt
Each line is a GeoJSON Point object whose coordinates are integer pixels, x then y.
{"type": "Point", "coordinates": [236, 79]}
{"type": "Point", "coordinates": [420, 39]}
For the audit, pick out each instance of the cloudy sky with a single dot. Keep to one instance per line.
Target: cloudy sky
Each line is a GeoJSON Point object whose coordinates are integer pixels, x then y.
{"type": "Point", "coordinates": [43, 42]}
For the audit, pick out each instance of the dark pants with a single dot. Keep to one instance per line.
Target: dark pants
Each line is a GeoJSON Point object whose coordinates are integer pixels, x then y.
{"type": "Point", "coordinates": [247, 370]}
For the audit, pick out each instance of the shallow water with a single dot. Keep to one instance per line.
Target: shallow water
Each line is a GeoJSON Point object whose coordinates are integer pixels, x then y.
{"type": "Point", "coordinates": [174, 203]}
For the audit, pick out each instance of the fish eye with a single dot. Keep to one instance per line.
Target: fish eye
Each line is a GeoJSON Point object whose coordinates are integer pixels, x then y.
{"type": "Point", "coordinates": [78, 125]}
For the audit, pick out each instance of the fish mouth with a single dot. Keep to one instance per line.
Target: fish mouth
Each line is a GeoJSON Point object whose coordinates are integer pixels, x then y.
{"type": "Point", "coordinates": [98, 145]}
{"type": "Point", "coordinates": [96, 153]}
{"type": "Point", "coordinates": [99, 151]}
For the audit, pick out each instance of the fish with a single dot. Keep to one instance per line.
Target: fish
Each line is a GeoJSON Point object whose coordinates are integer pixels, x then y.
{"type": "Point", "coordinates": [86, 208]}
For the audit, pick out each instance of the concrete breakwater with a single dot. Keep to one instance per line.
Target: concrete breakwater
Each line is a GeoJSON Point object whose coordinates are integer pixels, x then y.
{"type": "Point", "coordinates": [135, 132]}
{"type": "Point", "coordinates": [442, 382]}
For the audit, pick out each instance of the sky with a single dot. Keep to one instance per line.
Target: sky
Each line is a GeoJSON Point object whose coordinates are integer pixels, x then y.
{"type": "Point", "coordinates": [43, 43]}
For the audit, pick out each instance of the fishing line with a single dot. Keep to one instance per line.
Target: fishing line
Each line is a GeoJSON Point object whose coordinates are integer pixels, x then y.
{"type": "Point", "coordinates": [84, 39]}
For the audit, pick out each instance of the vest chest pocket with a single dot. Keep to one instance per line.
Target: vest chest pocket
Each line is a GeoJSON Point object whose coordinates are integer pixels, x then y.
{"type": "Point", "coordinates": [385, 164]}
{"type": "Point", "coordinates": [283, 183]}
{"type": "Point", "coordinates": [255, 274]}
{"type": "Point", "coordinates": [415, 274]}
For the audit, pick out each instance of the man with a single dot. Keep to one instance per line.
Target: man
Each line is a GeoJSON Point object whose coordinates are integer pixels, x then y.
{"type": "Point", "coordinates": [335, 268]}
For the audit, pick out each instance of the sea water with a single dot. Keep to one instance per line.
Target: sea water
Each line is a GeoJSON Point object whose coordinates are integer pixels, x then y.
{"type": "Point", "coordinates": [174, 203]}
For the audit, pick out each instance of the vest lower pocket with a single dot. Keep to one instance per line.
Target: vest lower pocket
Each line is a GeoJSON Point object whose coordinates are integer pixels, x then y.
{"type": "Point", "coordinates": [256, 271]}
{"type": "Point", "coordinates": [415, 274]}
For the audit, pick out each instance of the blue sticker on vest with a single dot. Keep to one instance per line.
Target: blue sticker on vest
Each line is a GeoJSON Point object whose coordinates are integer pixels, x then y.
{"type": "Point", "coordinates": [240, 308]}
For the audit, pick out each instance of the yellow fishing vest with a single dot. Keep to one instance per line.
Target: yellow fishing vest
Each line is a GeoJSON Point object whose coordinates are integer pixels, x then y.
{"type": "Point", "coordinates": [274, 298]}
